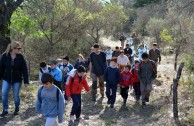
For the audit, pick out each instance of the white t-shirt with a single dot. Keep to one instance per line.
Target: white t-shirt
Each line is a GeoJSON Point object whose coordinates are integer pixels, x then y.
{"type": "Point", "coordinates": [43, 71]}
{"type": "Point", "coordinates": [108, 54]}
{"type": "Point", "coordinates": [140, 52]}
{"type": "Point", "coordinates": [122, 60]}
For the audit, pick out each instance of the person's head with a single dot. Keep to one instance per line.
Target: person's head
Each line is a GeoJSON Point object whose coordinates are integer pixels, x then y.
{"type": "Point", "coordinates": [137, 62]}
{"type": "Point", "coordinates": [127, 45]}
{"type": "Point", "coordinates": [43, 65]}
{"type": "Point", "coordinates": [122, 53]}
{"type": "Point", "coordinates": [96, 48]}
{"type": "Point", "coordinates": [53, 64]}
{"type": "Point", "coordinates": [113, 62]}
{"type": "Point", "coordinates": [141, 46]}
{"type": "Point", "coordinates": [59, 61]}
{"type": "Point", "coordinates": [154, 45]}
{"type": "Point", "coordinates": [92, 49]}
{"type": "Point", "coordinates": [13, 47]}
{"type": "Point", "coordinates": [145, 57]}
{"type": "Point", "coordinates": [127, 68]}
{"type": "Point", "coordinates": [81, 57]}
{"type": "Point", "coordinates": [81, 71]}
{"type": "Point", "coordinates": [47, 80]}
{"type": "Point", "coordinates": [65, 60]}
{"type": "Point", "coordinates": [108, 48]}
{"type": "Point", "coordinates": [142, 42]}
{"type": "Point", "coordinates": [117, 48]}
{"type": "Point", "coordinates": [121, 48]}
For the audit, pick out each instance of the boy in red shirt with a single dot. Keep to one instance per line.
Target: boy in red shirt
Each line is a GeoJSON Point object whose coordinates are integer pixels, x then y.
{"type": "Point", "coordinates": [136, 81]}
{"type": "Point", "coordinates": [73, 90]}
{"type": "Point", "coordinates": [125, 81]}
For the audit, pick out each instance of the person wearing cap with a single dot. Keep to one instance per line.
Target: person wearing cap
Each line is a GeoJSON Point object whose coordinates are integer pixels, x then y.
{"type": "Point", "coordinates": [141, 50]}
{"type": "Point", "coordinates": [80, 61]}
{"type": "Point", "coordinates": [97, 67]}
{"type": "Point", "coordinates": [57, 74]}
{"type": "Point", "coordinates": [154, 54]}
{"type": "Point", "coordinates": [122, 60]}
{"type": "Point", "coordinates": [108, 53]}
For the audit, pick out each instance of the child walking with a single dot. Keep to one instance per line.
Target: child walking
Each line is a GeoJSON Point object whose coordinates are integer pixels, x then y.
{"type": "Point", "coordinates": [73, 91]}
{"type": "Point", "coordinates": [136, 81]}
{"type": "Point", "coordinates": [112, 78]}
{"type": "Point", "coordinates": [125, 81]}
{"type": "Point", "coordinates": [50, 101]}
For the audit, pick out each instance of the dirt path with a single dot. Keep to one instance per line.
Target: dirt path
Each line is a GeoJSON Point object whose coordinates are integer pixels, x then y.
{"type": "Point", "coordinates": [157, 112]}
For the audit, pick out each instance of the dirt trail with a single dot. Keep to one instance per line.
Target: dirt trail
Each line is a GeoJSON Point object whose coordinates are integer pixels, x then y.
{"type": "Point", "coordinates": [157, 112]}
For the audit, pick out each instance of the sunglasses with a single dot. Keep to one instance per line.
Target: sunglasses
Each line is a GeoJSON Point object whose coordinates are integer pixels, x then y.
{"type": "Point", "coordinates": [18, 48]}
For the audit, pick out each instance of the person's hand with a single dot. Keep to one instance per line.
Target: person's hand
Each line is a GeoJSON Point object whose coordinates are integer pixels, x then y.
{"type": "Point", "coordinates": [122, 86]}
{"type": "Point", "coordinates": [69, 98]}
{"type": "Point", "coordinates": [90, 74]}
{"type": "Point", "coordinates": [158, 63]}
{"type": "Point", "coordinates": [89, 93]}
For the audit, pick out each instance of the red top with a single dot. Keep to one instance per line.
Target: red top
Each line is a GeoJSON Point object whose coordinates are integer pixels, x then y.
{"type": "Point", "coordinates": [126, 79]}
{"type": "Point", "coordinates": [76, 86]}
{"type": "Point", "coordinates": [135, 74]}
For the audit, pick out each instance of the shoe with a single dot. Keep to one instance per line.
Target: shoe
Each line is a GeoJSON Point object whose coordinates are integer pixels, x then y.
{"type": "Point", "coordinates": [94, 99]}
{"type": "Point", "coordinates": [147, 99]}
{"type": "Point", "coordinates": [102, 96]}
{"type": "Point", "coordinates": [16, 111]}
{"type": "Point", "coordinates": [72, 118]}
{"type": "Point", "coordinates": [80, 118]}
{"type": "Point", "coordinates": [143, 103]}
{"type": "Point", "coordinates": [124, 102]}
{"type": "Point", "coordinates": [108, 102]}
{"type": "Point", "coordinates": [4, 113]}
{"type": "Point", "coordinates": [111, 106]}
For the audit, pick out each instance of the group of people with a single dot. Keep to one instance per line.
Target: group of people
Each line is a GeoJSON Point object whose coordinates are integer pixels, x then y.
{"type": "Point", "coordinates": [61, 81]}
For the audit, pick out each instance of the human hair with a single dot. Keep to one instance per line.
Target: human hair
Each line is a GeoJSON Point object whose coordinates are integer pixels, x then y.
{"type": "Point", "coordinates": [11, 46]}
{"type": "Point", "coordinates": [114, 59]}
{"type": "Point", "coordinates": [154, 44]}
{"type": "Point", "coordinates": [66, 58]}
{"type": "Point", "coordinates": [81, 69]}
{"type": "Point", "coordinates": [128, 66]}
{"type": "Point", "coordinates": [127, 44]}
{"type": "Point", "coordinates": [53, 62]}
{"type": "Point", "coordinates": [47, 77]}
{"type": "Point", "coordinates": [121, 51]}
{"type": "Point", "coordinates": [116, 47]}
{"type": "Point", "coordinates": [96, 45]}
{"type": "Point", "coordinates": [145, 56]}
{"type": "Point", "coordinates": [137, 61]}
{"type": "Point", "coordinates": [42, 64]}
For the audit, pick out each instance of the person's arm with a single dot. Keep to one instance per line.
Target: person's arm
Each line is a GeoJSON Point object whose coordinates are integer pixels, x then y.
{"type": "Point", "coordinates": [40, 75]}
{"type": "Point", "coordinates": [159, 56]}
{"type": "Point", "coordinates": [118, 76]}
{"type": "Point", "coordinates": [85, 84]}
{"type": "Point", "coordinates": [2, 67]}
{"type": "Point", "coordinates": [68, 88]}
{"type": "Point", "coordinates": [38, 102]}
{"type": "Point", "coordinates": [127, 59]}
{"type": "Point", "coordinates": [106, 75]}
{"type": "Point", "coordinates": [25, 71]}
{"type": "Point", "coordinates": [139, 72]}
{"type": "Point", "coordinates": [150, 55]}
{"type": "Point", "coordinates": [154, 73]}
{"type": "Point", "coordinates": [61, 107]}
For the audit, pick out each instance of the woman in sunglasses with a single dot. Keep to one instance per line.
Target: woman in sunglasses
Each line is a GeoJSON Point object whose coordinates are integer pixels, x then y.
{"type": "Point", "coordinates": [13, 69]}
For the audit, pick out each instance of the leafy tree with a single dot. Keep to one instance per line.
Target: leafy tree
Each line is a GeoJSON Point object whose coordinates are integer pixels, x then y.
{"type": "Point", "coordinates": [7, 8]}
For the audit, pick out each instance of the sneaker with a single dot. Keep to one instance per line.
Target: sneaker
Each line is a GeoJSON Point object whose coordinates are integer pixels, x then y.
{"type": "Point", "coordinates": [143, 103]}
{"type": "Point", "coordinates": [72, 118]}
{"type": "Point", "coordinates": [124, 102]}
{"type": "Point", "coordinates": [94, 99]}
{"type": "Point", "coordinates": [80, 118]}
{"type": "Point", "coordinates": [147, 99]}
{"type": "Point", "coordinates": [111, 106]}
{"type": "Point", "coordinates": [102, 96]}
{"type": "Point", "coordinates": [4, 113]}
{"type": "Point", "coordinates": [16, 111]}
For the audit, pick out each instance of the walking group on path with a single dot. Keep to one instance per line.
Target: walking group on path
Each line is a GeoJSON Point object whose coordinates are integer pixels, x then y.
{"type": "Point", "coordinates": [60, 81]}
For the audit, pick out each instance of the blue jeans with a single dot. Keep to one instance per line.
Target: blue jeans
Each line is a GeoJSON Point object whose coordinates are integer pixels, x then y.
{"type": "Point", "coordinates": [76, 108]}
{"type": "Point", "coordinates": [16, 93]}
{"type": "Point", "coordinates": [132, 60]}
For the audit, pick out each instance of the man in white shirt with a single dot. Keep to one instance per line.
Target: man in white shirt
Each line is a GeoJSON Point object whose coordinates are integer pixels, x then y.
{"type": "Point", "coordinates": [108, 53]}
{"type": "Point", "coordinates": [122, 60]}
{"type": "Point", "coordinates": [44, 68]}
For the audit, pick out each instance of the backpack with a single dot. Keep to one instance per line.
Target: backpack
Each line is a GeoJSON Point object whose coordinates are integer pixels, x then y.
{"type": "Point", "coordinates": [39, 95]}
{"type": "Point", "coordinates": [152, 63]}
{"type": "Point", "coordinates": [49, 68]}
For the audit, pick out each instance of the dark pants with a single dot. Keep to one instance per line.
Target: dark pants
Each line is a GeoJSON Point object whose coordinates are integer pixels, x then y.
{"type": "Point", "coordinates": [111, 91]}
{"type": "Point", "coordinates": [58, 84]}
{"type": "Point", "coordinates": [64, 86]}
{"type": "Point", "coordinates": [94, 85]}
{"type": "Point", "coordinates": [136, 87]}
{"type": "Point", "coordinates": [76, 108]}
{"type": "Point", "coordinates": [108, 62]}
{"type": "Point", "coordinates": [124, 92]}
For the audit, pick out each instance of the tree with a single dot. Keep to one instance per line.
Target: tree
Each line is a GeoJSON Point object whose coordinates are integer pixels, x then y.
{"type": "Point", "coordinates": [7, 7]}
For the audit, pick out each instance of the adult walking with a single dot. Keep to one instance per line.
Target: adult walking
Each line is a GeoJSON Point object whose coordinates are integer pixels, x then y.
{"type": "Point", "coordinates": [154, 54]}
{"type": "Point", "coordinates": [13, 69]}
{"type": "Point", "coordinates": [97, 67]}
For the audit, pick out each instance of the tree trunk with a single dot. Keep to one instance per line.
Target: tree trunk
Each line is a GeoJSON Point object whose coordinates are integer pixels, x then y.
{"type": "Point", "coordinates": [175, 60]}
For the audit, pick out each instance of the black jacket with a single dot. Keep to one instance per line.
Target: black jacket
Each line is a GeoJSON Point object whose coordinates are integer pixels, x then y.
{"type": "Point", "coordinates": [13, 70]}
{"type": "Point", "coordinates": [128, 51]}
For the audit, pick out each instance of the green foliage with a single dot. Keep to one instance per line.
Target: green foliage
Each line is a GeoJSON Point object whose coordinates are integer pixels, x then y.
{"type": "Point", "coordinates": [189, 63]}
{"type": "Point", "coordinates": [165, 36]}
{"type": "Point", "coordinates": [142, 3]}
